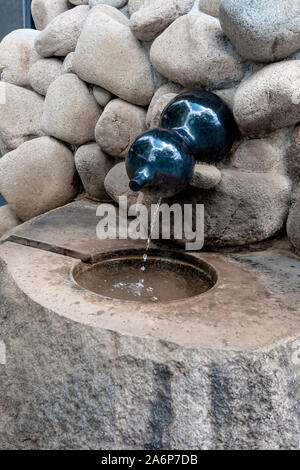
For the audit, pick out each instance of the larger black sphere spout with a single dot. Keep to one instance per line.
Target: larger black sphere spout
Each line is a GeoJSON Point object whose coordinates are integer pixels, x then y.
{"type": "Point", "coordinates": [204, 121]}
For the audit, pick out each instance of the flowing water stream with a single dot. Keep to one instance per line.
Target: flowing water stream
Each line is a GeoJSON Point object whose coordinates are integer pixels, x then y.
{"type": "Point", "coordinates": [152, 225]}
{"type": "Point", "coordinates": [139, 288]}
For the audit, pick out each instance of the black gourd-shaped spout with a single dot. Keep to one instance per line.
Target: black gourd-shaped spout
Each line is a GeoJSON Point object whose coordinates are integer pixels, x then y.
{"type": "Point", "coordinates": [194, 126]}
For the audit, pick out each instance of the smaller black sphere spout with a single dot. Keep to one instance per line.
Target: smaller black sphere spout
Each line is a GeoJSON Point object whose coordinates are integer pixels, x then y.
{"type": "Point", "coordinates": [159, 161]}
{"type": "Point", "coordinates": [194, 126]}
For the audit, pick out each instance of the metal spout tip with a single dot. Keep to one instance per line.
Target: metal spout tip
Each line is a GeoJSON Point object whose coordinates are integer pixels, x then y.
{"type": "Point", "coordinates": [142, 178]}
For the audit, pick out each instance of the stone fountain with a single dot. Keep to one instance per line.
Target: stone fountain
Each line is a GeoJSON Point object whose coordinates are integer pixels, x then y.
{"type": "Point", "coordinates": [216, 369]}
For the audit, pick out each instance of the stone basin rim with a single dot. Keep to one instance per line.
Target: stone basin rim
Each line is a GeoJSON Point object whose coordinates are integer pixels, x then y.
{"type": "Point", "coordinates": [185, 258]}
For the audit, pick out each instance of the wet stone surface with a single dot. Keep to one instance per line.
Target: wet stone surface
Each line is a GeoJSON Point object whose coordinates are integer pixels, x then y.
{"type": "Point", "coordinates": [69, 230]}
{"type": "Point", "coordinates": [282, 270]}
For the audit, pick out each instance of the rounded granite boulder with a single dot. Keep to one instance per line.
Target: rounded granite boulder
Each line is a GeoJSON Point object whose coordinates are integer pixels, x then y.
{"type": "Point", "coordinates": [194, 52]}
{"type": "Point", "coordinates": [37, 177]}
{"type": "Point", "coordinates": [269, 99]}
{"type": "Point", "coordinates": [15, 56]}
{"type": "Point", "coordinates": [118, 126]}
{"type": "Point", "coordinates": [43, 73]}
{"type": "Point", "coordinates": [93, 165]}
{"type": "Point", "coordinates": [20, 115]}
{"type": "Point", "coordinates": [155, 16]}
{"type": "Point", "coordinates": [109, 55]}
{"type": "Point", "coordinates": [262, 30]}
{"type": "Point", "coordinates": [71, 111]}
{"type": "Point", "coordinates": [60, 36]}
{"type": "Point", "coordinates": [44, 11]}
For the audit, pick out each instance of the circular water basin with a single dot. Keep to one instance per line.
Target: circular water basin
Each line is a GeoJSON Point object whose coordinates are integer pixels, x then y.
{"type": "Point", "coordinates": [165, 276]}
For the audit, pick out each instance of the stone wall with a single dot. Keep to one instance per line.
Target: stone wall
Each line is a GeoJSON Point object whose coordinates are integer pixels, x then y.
{"type": "Point", "coordinates": [95, 74]}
